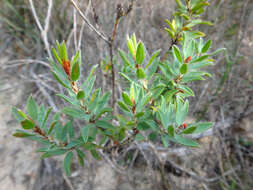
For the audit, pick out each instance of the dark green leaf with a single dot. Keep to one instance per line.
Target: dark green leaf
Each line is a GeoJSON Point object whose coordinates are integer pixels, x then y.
{"type": "Point", "coordinates": [189, 130]}
{"type": "Point", "coordinates": [80, 95]}
{"type": "Point", "coordinates": [171, 130]}
{"type": "Point", "coordinates": [67, 163]}
{"type": "Point", "coordinates": [81, 156]}
{"type": "Point", "coordinates": [95, 154]}
{"type": "Point", "coordinates": [55, 152]}
{"type": "Point", "coordinates": [104, 124]}
{"type": "Point", "coordinates": [206, 46]}
{"type": "Point", "coordinates": [184, 68]}
{"type": "Point", "coordinates": [27, 124]}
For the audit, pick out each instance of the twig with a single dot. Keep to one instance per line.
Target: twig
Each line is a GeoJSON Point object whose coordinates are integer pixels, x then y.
{"type": "Point", "coordinates": [88, 22]}
{"type": "Point", "coordinates": [44, 30]}
{"type": "Point", "coordinates": [19, 62]}
{"type": "Point", "coordinates": [68, 181]}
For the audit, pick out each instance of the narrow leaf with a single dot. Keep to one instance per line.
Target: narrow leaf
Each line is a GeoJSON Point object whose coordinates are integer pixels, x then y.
{"type": "Point", "coordinates": [67, 163]}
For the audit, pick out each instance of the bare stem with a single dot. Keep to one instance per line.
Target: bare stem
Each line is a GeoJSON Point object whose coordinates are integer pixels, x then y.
{"type": "Point", "coordinates": [88, 22]}
{"type": "Point", "coordinates": [44, 30]}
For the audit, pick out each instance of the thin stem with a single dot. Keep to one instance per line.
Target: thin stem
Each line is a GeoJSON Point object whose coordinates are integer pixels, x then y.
{"type": "Point", "coordinates": [88, 22]}
{"type": "Point", "coordinates": [44, 30]}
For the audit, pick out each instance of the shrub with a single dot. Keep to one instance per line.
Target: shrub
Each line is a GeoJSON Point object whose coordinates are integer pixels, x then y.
{"type": "Point", "coordinates": [154, 103]}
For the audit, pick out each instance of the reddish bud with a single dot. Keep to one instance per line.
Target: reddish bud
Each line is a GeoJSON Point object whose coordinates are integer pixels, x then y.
{"type": "Point", "coordinates": [185, 125]}
{"type": "Point", "coordinates": [188, 59]}
{"type": "Point", "coordinates": [66, 66]}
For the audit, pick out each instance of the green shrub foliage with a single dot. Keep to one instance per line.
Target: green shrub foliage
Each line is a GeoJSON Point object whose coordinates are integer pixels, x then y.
{"type": "Point", "coordinates": [154, 100]}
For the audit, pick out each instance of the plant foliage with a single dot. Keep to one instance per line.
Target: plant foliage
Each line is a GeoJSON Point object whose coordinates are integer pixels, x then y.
{"type": "Point", "coordinates": [154, 100]}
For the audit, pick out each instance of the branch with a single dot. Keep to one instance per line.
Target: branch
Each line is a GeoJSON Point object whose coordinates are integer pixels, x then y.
{"type": "Point", "coordinates": [88, 22]}
{"type": "Point", "coordinates": [44, 30]}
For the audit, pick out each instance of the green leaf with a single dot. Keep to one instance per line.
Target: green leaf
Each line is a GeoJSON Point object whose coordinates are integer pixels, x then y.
{"type": "Point", "coordinates": [165, 141]}
{"type": "Point", "coordinates": [85, 132]}
{"type": "Point", "coordinates": [18, 114]}
{"type": "Point", "coordinates": [22, 134]}
{"type": "Point", "coordinates": [75, 71]}
{"type": "Point", "coordinates": [202, 126]}
{"type": "Point", "coordinates": [184, 68]}
{"type": "Point", "coordinates": [170, 25]}
{"type": "Point", "coordinates": [70, 100]}
{"type": "Point", "coordinates": [152, 58]}
{"type": "Point", "coordinates": [140, 73]}
{"type": "Point", "coordinates": [59, 48]}
{"type": "Point", "coordinates": [54, 152]}
{"type": "Point", "coordinates": [80, 95]}
{"type": "Point", "coordinates": [46, 117]}
{"type": "Point", "coordinates": [77, 113]}
{"type": "Point", "coordinates": [202, 58]}
{"type": "Point", "coordinates": [91, 72]}
{"type": "Point", "coordinates": [140, 53]}
{"type": "Point", "coordinates": [189, 130]}
{"type": "Point", "coordinates": [51, 127]}
{"type": "Point", "coordinates": [123, 106]}
{"type": "Point", "coordinates": [56, 56]}
{"type": "Point", "coordinates": [171, 131]}
{"type": "Point", "coordinates": [125, 59]}
{"type": "Point", "coordinates": [32, 108]}
{"type": "Point", "coordinates": [179, 3]}
{"type": "Point", "coordinates": [60, 80]}
{"type": "Point", "coordinates": [218, 51]}
{"type": "Point", "coordinates": [131, 46]}
{"type": "Point", "coordinates": [95, 154]}
{"type": "Point", "coordinates": [67, 163]}
{"type": "Point", "coordinates": [182, 111]}
{"type": "Point", "coordinates": [75, 59]}
{"type": "Point", "coordinates": [102, 102]}
{"type": "Point", "coordinates": [27, 124]}
{"type": "Point", "coordinates": [153, 136]}
{"type": "Point", "coordinates": [198, 6]}
{"type": "Point", "coordinates": [64, 51]}
{"type": "Point", "coordinates": [104, 124]}
{"type": "Point", "coordinates": [177, 54]}
{"type": "Point", "coordinates": [127, 99]}
{"type": "Point", "coordinates": [81, 156]}
{"type": "Point", "coordinates": [170, 32]}
{"type": "Point", "coordinates": [185, 141]}
{"type": "Point", "coordinates": [206, 46]}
